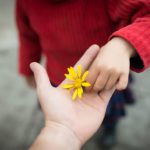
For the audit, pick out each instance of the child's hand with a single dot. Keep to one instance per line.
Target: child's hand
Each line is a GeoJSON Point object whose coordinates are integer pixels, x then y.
{"type": "Point", "coordinates": [111, 66]}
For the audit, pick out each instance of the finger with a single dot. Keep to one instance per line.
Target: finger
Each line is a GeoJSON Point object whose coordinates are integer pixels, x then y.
{"type": "Point", "coordinates": [101, 81]}
{"type": "Point", "coordinates": [105, 95]}
{"type": "Point", "coordinates": [41, 77]}
{"type": "Point", "coordinates": [87, 58]}
{"type": "Point", "coordinates": [123, 82]}
{"type": "Point", "coordinates": [92, 76]}
{"type": "Point", "coordinates": [112, 81]}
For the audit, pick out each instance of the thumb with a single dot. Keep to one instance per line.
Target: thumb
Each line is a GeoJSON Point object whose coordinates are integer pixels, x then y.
{"type": "Point", "coordinates": [86, 60]}
{"type": "Point", "coordinates": [41, 77]}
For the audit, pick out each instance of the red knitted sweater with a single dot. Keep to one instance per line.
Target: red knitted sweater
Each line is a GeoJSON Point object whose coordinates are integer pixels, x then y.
{"type": "Point", "coordinates": [63, 31]}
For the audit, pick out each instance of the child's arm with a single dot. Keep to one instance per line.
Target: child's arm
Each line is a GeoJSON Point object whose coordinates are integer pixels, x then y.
{"type": "Point", "coordinates": [29, 45]}
{"type": "Point", "coordinates": [111, 67]}
{"type": "Point", "coordinates": [133, 19]}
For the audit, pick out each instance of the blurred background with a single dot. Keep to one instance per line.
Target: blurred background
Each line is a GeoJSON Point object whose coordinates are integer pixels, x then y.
{"type": "Point", "coordinates": [20, 118]}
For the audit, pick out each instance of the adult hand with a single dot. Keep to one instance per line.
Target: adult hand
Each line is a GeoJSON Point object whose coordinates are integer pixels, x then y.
{"type": "Point", "coordinates": [79, 119]}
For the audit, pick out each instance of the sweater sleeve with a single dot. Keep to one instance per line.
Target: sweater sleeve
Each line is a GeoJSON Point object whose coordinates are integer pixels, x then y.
{"type": "Point", "coordinates": [132, 18]}
{"type": "Point", "coordinates": [29, 45]}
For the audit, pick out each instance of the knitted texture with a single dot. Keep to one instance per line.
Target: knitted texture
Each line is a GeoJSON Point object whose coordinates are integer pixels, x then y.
{"type": "Point", "coordinates": [63, 31]}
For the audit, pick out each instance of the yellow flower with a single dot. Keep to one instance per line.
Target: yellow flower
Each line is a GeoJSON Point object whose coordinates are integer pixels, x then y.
{"type": "Point", "coordinates": [77, 81]}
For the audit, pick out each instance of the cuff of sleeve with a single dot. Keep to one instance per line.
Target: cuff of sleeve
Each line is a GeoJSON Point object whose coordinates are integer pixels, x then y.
{"type": "Point", "coordinates": [25, 71]}
{"type": "Point", "coordinates": [133, 36]}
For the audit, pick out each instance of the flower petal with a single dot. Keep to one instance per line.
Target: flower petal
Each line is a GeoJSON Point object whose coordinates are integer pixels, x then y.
{"type": "Point", "coordinates": [73, 72]}
{"type": "Point", "coordinates": [79, 71]}
{"type": "Point", "coordinates": [69, 70]}
{"type": "Point", "coordinates": [69, 77]}
{"type": "Point", "coordinates": [84, 75]}
{"type": "Point", "coordinates": [74, 94]}
{"type": "Point", "coordinates": [80, 92]}
{"type": "Point", "coordinates": [67, 86]}
{"type": "Point", "coordinates": [86, 84]}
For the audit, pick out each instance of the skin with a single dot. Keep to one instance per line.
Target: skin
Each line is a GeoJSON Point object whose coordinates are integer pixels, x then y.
{"type": "Point", "coordinates": [109, 68]}
{"type": "Point", "coordinates": [68, 124]}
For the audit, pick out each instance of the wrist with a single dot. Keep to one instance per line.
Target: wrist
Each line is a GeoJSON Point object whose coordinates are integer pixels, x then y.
{"type": "Point", "coordinates": [58, 137]}
{"type": "Point", "coordinates": [124, 46]}
{"type": "Point", "coordinates": [64, 136]}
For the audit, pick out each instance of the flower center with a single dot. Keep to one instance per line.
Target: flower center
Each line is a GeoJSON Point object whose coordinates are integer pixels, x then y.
{"type": "Point", "coordinates": [78, 83]}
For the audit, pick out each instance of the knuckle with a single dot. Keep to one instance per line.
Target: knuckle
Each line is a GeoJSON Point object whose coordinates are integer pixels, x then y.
{"type": "Point", "coordinates": [106, 67]}
{"type": "Point", "coordinates": [99, 68]}
{"type": "Point", "coordinates": [109, 68]}
{"type": "Point", "coordinates": [96, 88]}
{"type": "Point", "coordinates": [103, 67]}
{"type": "Point", "coordinates": [116, 71]}
{"type": "Point", "coordinates": [99, 65]}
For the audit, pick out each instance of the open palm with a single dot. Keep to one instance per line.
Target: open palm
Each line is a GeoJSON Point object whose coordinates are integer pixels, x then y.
{"type": "Point", "coordinates": [83, 116]}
